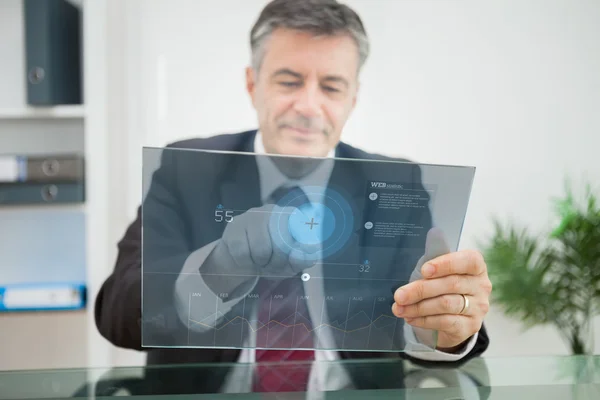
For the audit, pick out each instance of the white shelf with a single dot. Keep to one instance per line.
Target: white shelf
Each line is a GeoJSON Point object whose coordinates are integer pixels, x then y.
{"type": "Point", "coordinates": [71, 207]}
{"type": "Point", "coordinates": [52, 112]}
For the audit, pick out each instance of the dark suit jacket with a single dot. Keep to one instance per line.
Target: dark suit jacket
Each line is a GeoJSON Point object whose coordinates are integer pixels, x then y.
{"type": "Point", "coordinates": [178, 189]}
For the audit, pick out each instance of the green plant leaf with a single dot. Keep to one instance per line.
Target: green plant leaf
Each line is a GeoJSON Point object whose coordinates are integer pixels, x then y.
{"type": "Point", "coordinates": [552, 279]}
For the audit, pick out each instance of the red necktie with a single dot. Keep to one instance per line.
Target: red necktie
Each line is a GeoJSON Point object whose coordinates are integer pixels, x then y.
{"type": "Point", "coordinates": [283, 323]}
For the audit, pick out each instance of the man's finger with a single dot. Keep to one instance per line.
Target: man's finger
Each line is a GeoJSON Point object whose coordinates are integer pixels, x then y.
{"type": "Point", "coordinates": [445, 304]}
{"type": "Point", "coordinates": [300, 260]}
{"type": "Point", "coordinates": [261, 248]}
{"type": "Point", "coordinates": [238, 246]}
{"type": "Point", "coordinates": [467, 262]}
{"type": "Point", "coordinates": [422, 289]}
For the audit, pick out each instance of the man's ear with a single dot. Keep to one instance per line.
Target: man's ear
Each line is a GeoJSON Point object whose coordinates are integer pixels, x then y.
{"type": "Point", "coordinates": [354, 99]}
{"type": "Point", "coordinates": [250, 82]}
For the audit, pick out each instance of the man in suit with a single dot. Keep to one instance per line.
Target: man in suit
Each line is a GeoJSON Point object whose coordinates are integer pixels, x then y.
{"type": "Point", "coordinates": [303, 83]}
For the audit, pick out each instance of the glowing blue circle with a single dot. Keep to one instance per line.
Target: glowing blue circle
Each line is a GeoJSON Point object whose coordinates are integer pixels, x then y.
{"type": "Point", "coordinates": [324, 206]}
{"type": "Point", "coordinates": [311, 223]}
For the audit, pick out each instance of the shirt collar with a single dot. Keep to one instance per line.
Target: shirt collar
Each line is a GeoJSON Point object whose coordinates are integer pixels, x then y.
{"type": "Point", "coordinates": [276, 179]}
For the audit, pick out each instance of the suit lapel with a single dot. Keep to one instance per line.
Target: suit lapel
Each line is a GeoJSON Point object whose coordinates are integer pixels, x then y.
{"type": "Point", "coordinates": [347, 179]}
{"type": "Point", "coordinates": [240, 184]}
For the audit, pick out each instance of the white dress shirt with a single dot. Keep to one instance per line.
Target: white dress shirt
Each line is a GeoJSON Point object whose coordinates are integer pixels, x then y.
{"type": "Point", "coordinates": [324, 376]}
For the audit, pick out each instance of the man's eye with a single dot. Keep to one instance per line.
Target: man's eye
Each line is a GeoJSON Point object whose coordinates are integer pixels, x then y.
{"type": "Point", "coordinates": [330, 89]}
{"type": "Point", "coordinates": [289, 84]}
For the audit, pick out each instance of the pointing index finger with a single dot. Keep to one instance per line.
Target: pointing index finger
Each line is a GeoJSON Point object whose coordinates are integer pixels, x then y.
{"type": "Point", "coordinates": [466, 262]}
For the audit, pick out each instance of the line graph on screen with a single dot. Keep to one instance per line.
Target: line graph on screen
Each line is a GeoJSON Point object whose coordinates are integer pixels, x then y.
{"type": "Point", "coordinates": [362, 323]}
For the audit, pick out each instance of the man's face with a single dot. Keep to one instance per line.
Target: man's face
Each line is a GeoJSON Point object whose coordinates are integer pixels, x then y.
{"type": "Point", "coordinates": [304, 92]}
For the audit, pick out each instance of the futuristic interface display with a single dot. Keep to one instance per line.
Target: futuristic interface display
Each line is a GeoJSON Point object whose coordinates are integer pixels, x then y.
{"type": "Point", "coordinates": [260, 251]}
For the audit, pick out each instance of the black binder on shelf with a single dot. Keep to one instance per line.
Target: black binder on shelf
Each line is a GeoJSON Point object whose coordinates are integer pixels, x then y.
{"type": "Point", "coordinates": [53, 52]}
{"type": "Point", "coordinates": [42, 179]}
{"type": "Point", "coordinates": [41, 193]}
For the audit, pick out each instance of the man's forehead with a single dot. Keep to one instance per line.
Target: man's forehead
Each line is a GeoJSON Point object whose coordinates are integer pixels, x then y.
{"type": "Point", "coordinates": [308, 55]}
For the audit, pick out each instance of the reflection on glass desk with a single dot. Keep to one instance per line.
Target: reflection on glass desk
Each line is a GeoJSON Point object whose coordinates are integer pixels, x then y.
{"type": "Point", "coordinates": [481, 378]}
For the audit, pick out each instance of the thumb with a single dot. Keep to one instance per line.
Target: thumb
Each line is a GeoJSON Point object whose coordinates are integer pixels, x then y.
{"type": "Point", "coordinates": [300, 260]}
{"type": "Point", "coordinates": [435, 245]}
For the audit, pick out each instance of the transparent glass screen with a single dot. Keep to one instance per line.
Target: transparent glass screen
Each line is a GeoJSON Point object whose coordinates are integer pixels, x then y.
{"type": "Point", "coordinates": [274, 252]}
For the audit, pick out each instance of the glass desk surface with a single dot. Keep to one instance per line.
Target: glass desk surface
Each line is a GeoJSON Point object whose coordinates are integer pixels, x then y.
{"type": "Point", "coordinates": [562, 378]}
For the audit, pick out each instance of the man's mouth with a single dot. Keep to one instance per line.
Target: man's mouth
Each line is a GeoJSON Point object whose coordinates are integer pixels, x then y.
{"type": "Point", "coordinates": [302, 131]}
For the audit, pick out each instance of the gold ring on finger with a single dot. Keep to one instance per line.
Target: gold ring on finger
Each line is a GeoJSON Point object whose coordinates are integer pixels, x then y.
{"type": "Point", "coordinates": [465, 304]}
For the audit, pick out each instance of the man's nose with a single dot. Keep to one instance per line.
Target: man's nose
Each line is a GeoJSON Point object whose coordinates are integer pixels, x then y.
{"type": "Point", "coordinates": [309, 102]}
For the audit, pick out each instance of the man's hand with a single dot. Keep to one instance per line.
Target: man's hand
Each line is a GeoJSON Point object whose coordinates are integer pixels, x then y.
{"type": "Point", "coordinates": [436, 302]}
{"type": "Point", "coordinates": [249, 249]}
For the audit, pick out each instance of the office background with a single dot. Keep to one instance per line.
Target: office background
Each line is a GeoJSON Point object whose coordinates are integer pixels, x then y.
{"type": "Point", "coordinates": [509, 86]}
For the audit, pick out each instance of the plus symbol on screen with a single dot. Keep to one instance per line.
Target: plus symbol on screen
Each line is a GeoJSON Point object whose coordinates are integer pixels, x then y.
{"type": "Point", "coordinates": [312, 223]}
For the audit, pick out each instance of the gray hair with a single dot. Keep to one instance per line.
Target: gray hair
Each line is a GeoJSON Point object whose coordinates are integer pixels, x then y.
{"type": "Point", "coordinates": [319, 17]}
